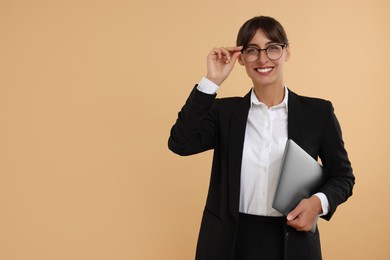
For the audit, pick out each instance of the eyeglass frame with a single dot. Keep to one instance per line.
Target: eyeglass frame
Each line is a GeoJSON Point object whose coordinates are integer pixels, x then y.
{"type": "Point", "coordinates": [284, 45]}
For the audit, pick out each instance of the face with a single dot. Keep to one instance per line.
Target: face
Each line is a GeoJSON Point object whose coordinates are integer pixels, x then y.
{"type": "Point", "coordinates": [265, 72]}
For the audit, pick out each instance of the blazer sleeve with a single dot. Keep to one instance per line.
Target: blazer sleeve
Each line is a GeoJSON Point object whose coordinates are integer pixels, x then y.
{"type": "Point", "coordinates": [194, 130]}
{"type": "Point", "coordinates": [340, 179]}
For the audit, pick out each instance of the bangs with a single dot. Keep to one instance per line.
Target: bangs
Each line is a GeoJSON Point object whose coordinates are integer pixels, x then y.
{"type": "Point", "coordinates": [271, 28]}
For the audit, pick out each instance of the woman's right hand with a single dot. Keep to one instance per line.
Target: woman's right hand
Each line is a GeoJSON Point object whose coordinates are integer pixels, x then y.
{"type": "Point", "coordinates": [220, 62]}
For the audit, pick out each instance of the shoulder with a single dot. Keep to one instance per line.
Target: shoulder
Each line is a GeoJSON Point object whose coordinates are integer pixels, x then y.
{"type": "Point", "coordinates": [229, 105]}
{"type": "Point", "coordinates": [228, 101]}
{"type": "Point", "coordinates": [232, 102]}
{"type": "Point", "coordinates": [309, 103]}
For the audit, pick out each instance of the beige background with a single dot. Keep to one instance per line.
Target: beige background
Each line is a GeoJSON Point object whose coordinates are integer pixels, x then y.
{"type": "Point", "coordinates": [90, 89]}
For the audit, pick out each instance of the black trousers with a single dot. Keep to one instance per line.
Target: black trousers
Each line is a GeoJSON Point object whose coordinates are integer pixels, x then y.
{"type": "Point", "coordinates": [259, 238]}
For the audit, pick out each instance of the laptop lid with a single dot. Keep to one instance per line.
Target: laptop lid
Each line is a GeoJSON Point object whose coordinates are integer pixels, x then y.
{"type": "Point", "coordinates": [300, 176]}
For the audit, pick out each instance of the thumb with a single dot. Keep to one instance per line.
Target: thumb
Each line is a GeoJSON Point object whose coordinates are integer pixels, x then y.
{"type": "Point", "coordinates": [295, 213]}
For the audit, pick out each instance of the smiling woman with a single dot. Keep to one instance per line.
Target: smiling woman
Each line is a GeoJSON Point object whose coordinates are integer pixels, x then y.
{"type": "Point", "coordinates": [266, 70]}
{"type": "Point", "coordinates": [248, 136]}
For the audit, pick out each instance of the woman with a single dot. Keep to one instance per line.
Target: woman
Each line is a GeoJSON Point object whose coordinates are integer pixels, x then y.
{"type": "Point", "coordinates": [248, 136]}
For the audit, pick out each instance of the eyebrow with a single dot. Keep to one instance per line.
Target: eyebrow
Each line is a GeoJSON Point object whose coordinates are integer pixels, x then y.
{"type": "Point", "coordinates": [266, 44]}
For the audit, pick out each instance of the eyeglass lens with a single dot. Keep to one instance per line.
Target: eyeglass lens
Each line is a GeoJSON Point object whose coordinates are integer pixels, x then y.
{"type": "Point", "coordinates": [273, 52]}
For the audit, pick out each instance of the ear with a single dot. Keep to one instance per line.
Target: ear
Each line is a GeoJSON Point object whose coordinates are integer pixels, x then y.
{"type": "Point", "coordinates": [241, 60]}
{"type": "Point", "coordinates": [288, 53]}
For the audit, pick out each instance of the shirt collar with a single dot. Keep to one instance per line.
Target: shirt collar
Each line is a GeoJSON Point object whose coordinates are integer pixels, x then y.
{"type": "Point", "coordinates": [284, 103]}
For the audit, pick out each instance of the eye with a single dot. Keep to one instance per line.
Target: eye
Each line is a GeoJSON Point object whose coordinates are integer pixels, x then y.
{"type": "Point", "coordinates": [274, 48]}
{"type": "Point", "coordinates": [251, 51]}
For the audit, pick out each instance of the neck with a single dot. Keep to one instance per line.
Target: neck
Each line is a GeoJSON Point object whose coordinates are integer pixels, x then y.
{"type": "Point", "coordinates": [270, 95]}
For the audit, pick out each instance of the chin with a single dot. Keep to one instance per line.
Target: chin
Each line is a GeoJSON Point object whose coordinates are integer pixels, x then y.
{"type": "Point", "coordinates": [264, 82]}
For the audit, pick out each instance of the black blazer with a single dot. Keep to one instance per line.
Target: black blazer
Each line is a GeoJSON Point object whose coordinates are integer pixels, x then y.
{"type": "Point", "coordinates": [206, 123]}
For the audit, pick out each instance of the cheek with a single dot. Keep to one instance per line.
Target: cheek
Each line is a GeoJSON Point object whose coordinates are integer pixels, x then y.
{"type": "Point", "coordinates": [280, 65]}
{"type": "Point", "coordinates": [249, 70]}
{"type": "Point", "coordinates": [249, 67]}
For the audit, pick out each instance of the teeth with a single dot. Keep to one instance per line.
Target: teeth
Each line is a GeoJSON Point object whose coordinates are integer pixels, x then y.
{"type": "Point", "coordinates": [264, 70]}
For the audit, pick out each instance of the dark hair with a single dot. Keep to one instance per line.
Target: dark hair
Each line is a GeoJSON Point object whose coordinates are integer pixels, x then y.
{"type": "Point", "coordinates": [271, 28]}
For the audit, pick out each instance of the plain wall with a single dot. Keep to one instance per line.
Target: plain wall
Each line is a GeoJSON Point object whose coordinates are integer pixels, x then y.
{"type": "Point", "coordinates": [90, 89]}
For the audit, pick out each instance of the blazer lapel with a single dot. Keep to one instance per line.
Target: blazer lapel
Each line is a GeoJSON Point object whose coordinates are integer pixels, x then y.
{"type": "Point", "coordinates": [295, 118]}
{"type": "Point", "coordinates": [235, 148]}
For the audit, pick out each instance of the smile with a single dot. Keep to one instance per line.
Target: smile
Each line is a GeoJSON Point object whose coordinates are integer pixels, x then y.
{"type": "Point", "coordinates": [264, 71]}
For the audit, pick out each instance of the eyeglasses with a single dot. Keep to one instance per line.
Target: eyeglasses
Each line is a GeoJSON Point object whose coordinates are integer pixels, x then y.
{"type": "Point", "coordinates": [274, 52]}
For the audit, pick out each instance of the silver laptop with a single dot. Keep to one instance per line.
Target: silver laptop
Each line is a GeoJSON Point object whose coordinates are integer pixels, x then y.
{"type": "Point", "coordinates": [300, 176]}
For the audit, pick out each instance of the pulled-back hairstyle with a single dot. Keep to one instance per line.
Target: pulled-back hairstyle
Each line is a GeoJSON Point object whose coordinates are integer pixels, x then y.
{"type": "Point", "coordinates": [271, 28]}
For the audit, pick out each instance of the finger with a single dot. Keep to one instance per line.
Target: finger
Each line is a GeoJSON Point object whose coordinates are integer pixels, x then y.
{"type": "Point", "coordinates": [293, 223]}
{"type": "Point", "coordinates": [223, 54]}
{"type": "Point", "coordinates": [217, 53]}
{"type": "Point", "coordinates": [234, 49]}
{"type": "Point", "coordinates": [229, 49]}
{"type": "Point", "coordinates": [295, 213]}
{"type": "Point", "coordinates": [231, 53]}
{"type": "Point", "coordinates": [298, 224]}
{"type": "Point", "coordinates": [235, 55]}
{"type": "Point", "coordinates": [234, 52]}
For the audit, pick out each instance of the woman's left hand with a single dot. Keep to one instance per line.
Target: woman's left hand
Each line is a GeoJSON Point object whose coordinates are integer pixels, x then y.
{"type": "Point", "coordinates": [303, 216]}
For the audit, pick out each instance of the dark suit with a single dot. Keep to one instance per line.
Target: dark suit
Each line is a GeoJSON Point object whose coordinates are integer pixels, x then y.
{"type": "Point", "coordinates": [208, 123]}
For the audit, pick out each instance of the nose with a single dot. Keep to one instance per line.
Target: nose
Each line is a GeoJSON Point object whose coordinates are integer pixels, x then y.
{"type": "Point", "coordinates": [263, 58]}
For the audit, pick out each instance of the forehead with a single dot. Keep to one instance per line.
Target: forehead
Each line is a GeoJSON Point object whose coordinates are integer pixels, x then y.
{"type": "Point", "coordinates": [260, 39]}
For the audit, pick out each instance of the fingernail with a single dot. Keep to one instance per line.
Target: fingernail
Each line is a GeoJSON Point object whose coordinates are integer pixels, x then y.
{"type": "Point", "coordinates": [289, 217]}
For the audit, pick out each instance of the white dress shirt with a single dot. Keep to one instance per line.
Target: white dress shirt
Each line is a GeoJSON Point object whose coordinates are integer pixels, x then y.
{"type": "Point", "coordinates": [265, 138]}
